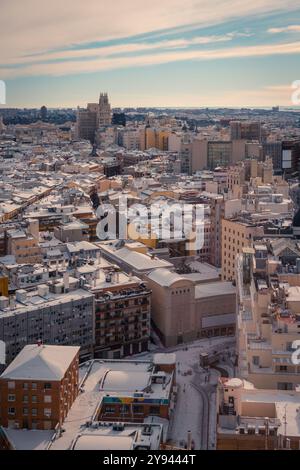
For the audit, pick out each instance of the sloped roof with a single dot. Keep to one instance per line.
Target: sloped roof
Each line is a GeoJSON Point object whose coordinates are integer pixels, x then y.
{"type": "Point", "coordinates": [44, 362]}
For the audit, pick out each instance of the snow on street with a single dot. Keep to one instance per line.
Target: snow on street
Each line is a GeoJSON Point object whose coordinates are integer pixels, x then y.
{"type": "Point", "coordinates": [188, 412]}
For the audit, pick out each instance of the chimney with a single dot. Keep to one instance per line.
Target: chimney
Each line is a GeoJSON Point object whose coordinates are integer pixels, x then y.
{"type": "Point", "coordinates": [66, 281]}
{"type": "Point", "coordinates": [189, 440]}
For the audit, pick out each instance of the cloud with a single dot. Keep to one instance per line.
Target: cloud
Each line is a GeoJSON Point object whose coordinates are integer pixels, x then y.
{"type": "Point", "coordinates": [287, 29]}
{"type": "Point", "coordinates": [113, 63]}
{"type": "Point", "coordinates": [33, 27]}
{"type": "Point", "coordinates": [124, 48]}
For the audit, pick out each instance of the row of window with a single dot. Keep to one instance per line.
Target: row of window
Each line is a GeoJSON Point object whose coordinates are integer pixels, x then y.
{"type": "Point", "coordinates": [183, 291]}
{"type": "Point", "coordinates": [47, 385]}
{"type": "Point", "coordinates": [33, 411]}
{"type": "Point", "coordinates": [34, 398]}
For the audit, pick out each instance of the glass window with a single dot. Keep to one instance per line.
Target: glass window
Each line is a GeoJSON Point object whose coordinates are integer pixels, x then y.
{"type": "Point", "coordinates": [47, 412]}
{"type": "Point", "coordinates": [11, 411]}
{"type": "Point", "coordinates": [11, 384]}
{"type": "Point", "coordinates": [47, 386]}
{"type": "Point", "coordinates": [11, 397]}
{"type": "Point", "coordinates": [34, 411]}
{"type": "Point", "coordinates": [47, 398]}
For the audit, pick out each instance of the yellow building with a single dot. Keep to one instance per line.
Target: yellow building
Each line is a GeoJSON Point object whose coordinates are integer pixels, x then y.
{"type": "Point", "coordinates": [3, 286]}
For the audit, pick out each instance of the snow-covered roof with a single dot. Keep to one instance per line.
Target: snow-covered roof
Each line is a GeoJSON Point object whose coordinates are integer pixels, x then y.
{"type": "Point", "coordinates": [122, 380]}
{"type": "Point", "coordinates": [41, 362]}
{"type": "Point", "coordinates": [213, 289]}
{"type": "Point", "coordinates": [138, 261]}
{"type": "Point", "coordinates": [25, 439]}
{"type": "Point", "coordinates": [166, 278]}
{"type": "Point", "coordinates": [164, 358]}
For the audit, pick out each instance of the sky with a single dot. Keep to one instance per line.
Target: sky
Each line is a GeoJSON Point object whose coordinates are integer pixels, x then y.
{"type": "Point", "coordinates": [164, 53]}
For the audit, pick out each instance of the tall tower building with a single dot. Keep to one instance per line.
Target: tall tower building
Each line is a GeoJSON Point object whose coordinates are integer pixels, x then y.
{"type": "Point", "coordinates": [104, 115]}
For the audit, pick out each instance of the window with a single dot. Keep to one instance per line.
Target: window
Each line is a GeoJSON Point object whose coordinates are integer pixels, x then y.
{"type": "Point", "coordinates": [11, 385]}
{"type": "Point", "coordinates": [47, 412]}
{"type": "Point", "coordinates": [255, 360]}
{"type": "Point", "coordinates": [25, 398]}
{"type": "Point", "coordinates": [283, 368]}
{"type": "Point", "coordinates": [34, 412]}
{"type": "Point", "coordinates": [11, 397]}
{"type": "Point", "coordinates": [47, 399]}
{"type": "Point", "coordinates": [11, 411]}
{"type": "Point", "coordinates": [34, 399]}
{"type": "Point", "coordinates": [138, 409]}
{"type": "Point", "coordinates": [25, 386]}
{"type": "Point", "coordinates": [285, 386]}
{"type": "Point", "coordinates": [124, 409]}
{"type": "Point", "coordinates": [109, 409]}
{"type": "Point", "coordinates": [25, 411]}
{"type": "Point", "coordinates": [47, 386]}
{"type": "Point", "coordinates": [34, 385]}
{"type": "Point", "coordinates": [155, 410]}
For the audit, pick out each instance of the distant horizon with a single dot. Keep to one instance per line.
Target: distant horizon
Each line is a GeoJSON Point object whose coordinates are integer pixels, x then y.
{"type": "Point", "coordinates": [53, 108]}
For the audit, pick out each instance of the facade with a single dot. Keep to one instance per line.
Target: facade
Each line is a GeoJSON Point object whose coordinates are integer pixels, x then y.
{"type": "Point", "coordinates": [183, 311]}
{"type": "Point", "coordinates": [248, 130]}
{"type": "Point", "coordinates": [95, 116]}
{"type": "Point", "coordinates": [268, 314]}
{"type": "Point", "coordinates": [236, 234]}
{"type": "Point", "coordinates": [39, 387]}
{"type": "Point", "coordinates": [55, 318]}
{"type": "Point", "coordinates": [104, 112]}
{"type": "Point", "coordinates": [122, 321]}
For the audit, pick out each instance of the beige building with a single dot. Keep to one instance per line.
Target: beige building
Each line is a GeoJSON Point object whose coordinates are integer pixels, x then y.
{"type": "Point", "coordinates": [252, 419]}
{"type": "Point", "coordinates": [24, 246]}
{"type": "Point", "coordinates": [184, 308]}
{"type": "Point", "coordinates": [268, 280]}
{"type": "Point", "coordinates": [236, 234]}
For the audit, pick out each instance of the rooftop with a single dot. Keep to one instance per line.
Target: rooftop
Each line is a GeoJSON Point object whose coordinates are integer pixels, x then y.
{"type": "Point", "coordinates": [213, 289]}
{"type": "Point", "coordinates": [41, 362]}
{"type": "Point", "coordinates": [108, 379]}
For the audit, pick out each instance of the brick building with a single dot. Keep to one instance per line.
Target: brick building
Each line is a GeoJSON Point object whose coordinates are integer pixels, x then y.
{"type": "Point", "coordinates": [39, 387]}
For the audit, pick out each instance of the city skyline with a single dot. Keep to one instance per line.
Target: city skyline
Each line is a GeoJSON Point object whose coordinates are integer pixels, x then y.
{"type": "Point", "coordinates": [207, 55]}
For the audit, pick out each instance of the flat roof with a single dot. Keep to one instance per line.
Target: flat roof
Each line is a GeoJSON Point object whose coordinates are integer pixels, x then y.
{"type": "Point", "coordinates": [105, 379]}
{"type": "Point", "coordinates": [123, 436]}
{"type": "Point", "coordinates": [214, 289]}
{"type": "Point", "coordinates": [25, 439]}
{"type": "Point", "coordinates": [138, 261]}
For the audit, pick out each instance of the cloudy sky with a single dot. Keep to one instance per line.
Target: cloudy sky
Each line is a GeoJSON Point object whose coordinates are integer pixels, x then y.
{"type": "Point", "coordinates": [150, 53]}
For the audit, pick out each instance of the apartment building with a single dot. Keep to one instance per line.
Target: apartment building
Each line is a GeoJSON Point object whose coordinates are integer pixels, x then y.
{"type": "Point", "coordinates": [39, 387]}
{"type": "Point", "coordinates": [268, 279]}
{"type": "Point", "coordinates": [122, 321]}
{"type": "Point", "coordinates": [122, 309]}
{"type": "Point", "coordinates": [48, 314]}
{"type": "Point", "coordinates": [23, 246]}
{"type": "Point", "coordinates": [236, 234]}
